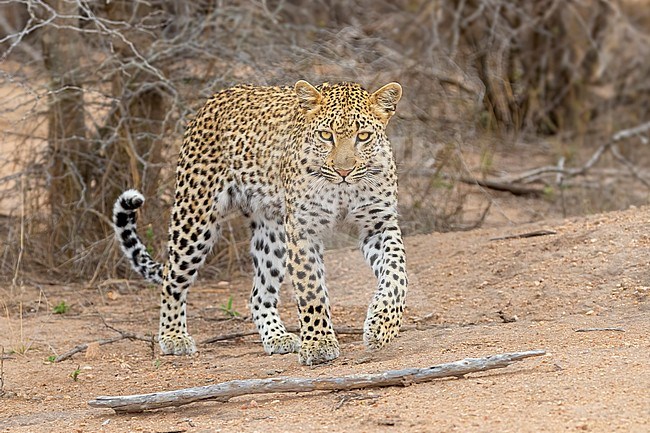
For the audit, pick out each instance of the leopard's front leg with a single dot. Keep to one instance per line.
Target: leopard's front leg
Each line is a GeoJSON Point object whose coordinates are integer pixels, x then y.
{"type": "Point", "coordinates": [306, 271]}
{"type": "Point", "coordinates": [383, 249]}
{"type": "Point", "coordinates": [268, 252]}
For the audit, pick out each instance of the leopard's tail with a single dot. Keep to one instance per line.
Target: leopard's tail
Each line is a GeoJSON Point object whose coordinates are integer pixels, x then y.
{"type": "Point", "coordinates": [124, 223]}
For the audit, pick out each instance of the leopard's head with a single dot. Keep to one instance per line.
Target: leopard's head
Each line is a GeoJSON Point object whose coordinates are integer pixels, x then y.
{"type": "Point", "coordinates": [346, 129]}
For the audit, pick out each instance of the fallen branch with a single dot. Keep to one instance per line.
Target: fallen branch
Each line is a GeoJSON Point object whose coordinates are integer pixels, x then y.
{"type": "Point", "coordinates": [496, 185]}
{"type": "Point", "coordinates": [227, 390]}
{"type": "Point", "coordinates": [518, 184]}
{"type": "Point", "coordinates": [537, 173]}
{"type": "Point", "coordinates": [512, 188]}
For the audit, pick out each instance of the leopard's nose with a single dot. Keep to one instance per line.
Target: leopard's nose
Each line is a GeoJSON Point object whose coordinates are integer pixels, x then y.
{"type": "Point", "coordinates": [342, 171]}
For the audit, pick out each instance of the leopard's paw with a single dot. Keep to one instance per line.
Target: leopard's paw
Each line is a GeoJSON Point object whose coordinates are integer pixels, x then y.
{"type": "Point", "coordinates": [381, 326]}
{"type": "Point", "coordinates": [282, 343]}
{"type": "Point", "coordinates": [318, 351]}
{"type": "Point", "coordinates": [176, 344]}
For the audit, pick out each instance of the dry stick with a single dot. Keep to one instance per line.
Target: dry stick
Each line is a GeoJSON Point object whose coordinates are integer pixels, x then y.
{"type": "Point", "coordinates": [526, 235]}
{"type": "Point", "coordinates": [234, 388]}
{"type": "Point", "coordinates": [600, 329]}
{"type": "Point", "coordinates": [631, 132]}
{"type": "Point", "coordinates": [231, 336]}
{"type": "Point", "coordinates": [626, 162]}
{"type": "Point", "coordinates": [339, 330]}
{"type": "Point", "coordinates": [81, 347]}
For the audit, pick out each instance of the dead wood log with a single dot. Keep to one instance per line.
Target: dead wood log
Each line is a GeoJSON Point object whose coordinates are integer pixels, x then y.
{"type": "Point", "coordinates": [234, 388]}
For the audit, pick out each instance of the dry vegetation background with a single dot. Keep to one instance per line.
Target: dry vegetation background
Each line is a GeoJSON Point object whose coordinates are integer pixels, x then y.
{"type": "Point", "coordinates": [518, 100]}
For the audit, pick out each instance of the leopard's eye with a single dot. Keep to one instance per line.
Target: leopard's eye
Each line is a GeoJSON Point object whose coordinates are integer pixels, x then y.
{"type": "Point", "coordinates": [363, 136]}
{"type": "Point", "coordinates": [326, 136]}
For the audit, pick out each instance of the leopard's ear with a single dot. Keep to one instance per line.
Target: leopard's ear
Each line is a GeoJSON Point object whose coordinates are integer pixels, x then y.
{"type": "Point", "coordinates": [308, 97]}
{"type": "Point", "coordinates": [384, 101]}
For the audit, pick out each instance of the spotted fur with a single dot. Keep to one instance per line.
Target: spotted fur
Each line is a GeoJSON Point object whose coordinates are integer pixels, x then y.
{"type": "Point", "coordinates": [296, 161]}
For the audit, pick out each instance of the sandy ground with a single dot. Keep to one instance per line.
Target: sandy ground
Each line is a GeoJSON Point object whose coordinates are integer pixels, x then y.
{"type": "Point", "coordinates": [470, 296]}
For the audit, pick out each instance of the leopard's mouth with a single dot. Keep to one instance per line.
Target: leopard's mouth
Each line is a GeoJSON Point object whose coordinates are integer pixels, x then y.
{"type": "Point", "coordinates": [344, 176]}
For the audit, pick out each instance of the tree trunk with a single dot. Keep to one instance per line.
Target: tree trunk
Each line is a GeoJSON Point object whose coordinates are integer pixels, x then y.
{"type": "Point", "coordinates": [68, 147]}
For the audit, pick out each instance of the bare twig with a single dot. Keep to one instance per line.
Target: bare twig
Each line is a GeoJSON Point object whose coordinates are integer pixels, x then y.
{"type": "Point", "coordinates": [234, 335]}
{"type": "Point", "coordinates": [600, 329]}
{"type": "Point", "coordinates": [626, 162]}
{"type": "Point", "coordinates": [525, 235]}
{"type": "Point", "coordinates": [123, 336]}
{"type": "Point", "coordinates": [227, 390]}
{"type": "Point", "coordinates": [631, 132]}
{"type": "Point", "coordinates": [84, 346]}
{"type": "Point", "coordinates": [231, 336]}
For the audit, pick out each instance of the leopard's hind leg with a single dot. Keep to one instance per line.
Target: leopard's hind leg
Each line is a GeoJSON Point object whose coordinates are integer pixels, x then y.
{"type": "Point", "coordinates": [194, 227]}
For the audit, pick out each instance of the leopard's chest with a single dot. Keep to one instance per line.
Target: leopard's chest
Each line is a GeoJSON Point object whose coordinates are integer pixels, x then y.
{"type": "Point", "coordinates": [331, 203]}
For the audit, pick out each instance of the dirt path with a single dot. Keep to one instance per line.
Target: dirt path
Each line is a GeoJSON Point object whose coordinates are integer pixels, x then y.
{"type": "Point", "coordinates": [469, 296]}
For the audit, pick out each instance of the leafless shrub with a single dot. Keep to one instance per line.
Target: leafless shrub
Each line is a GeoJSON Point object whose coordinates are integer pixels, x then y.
{"type": "Point", "coordinates": [94, 97]}
{"type": "Point", "coordinates": [549, 65]}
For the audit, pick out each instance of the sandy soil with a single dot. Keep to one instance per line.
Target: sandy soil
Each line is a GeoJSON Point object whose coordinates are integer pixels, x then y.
{"type": "Point", "coordinates": [470, 296]}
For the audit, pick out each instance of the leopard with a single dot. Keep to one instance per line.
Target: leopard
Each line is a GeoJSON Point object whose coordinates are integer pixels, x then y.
{"type": "Point", "coordinates": [296, 161]}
